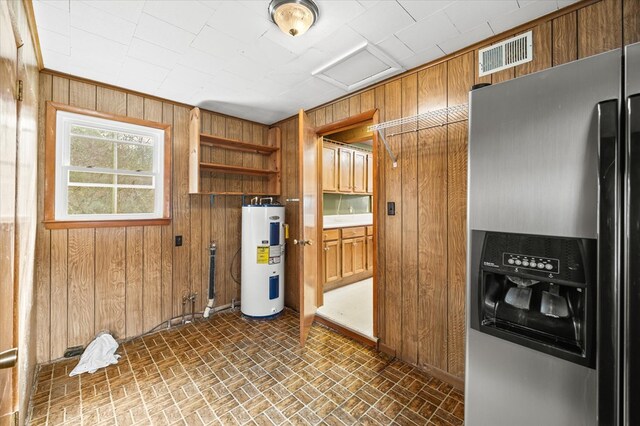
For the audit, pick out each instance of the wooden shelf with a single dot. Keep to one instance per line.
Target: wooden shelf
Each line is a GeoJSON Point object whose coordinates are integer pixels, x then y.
{"type": "Point", "coordinates": [199, 170]}
{"type": "Point", "coordinates": [236, 145]}
{"type": "Point", "coordinates": [237, 170]}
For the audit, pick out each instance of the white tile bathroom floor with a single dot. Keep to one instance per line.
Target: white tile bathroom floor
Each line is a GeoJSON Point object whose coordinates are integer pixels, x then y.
{"type": "Point", "coordinates": [351, 306]}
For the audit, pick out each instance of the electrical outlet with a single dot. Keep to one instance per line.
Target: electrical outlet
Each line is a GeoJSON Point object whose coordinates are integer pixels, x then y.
{"type": "Point", "coordinates": [391, 208]}
{"type": "Point", "coordinates": [178, 240]}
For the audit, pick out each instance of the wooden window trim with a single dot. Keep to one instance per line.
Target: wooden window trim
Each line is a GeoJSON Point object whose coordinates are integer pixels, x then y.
{"type": "Point", "coordinates": [50, 221]}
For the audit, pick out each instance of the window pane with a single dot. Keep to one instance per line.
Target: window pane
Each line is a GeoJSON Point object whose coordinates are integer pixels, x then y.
{"type": "Point", "coordinates": [135, 180]}
{"type": "Point", "coordinates": [90, 200]}
{"type": "Point", "coordinates": [133, 200]}
{"type": "Point", "coordinates": [110, 134]}
{"type": "Point", "coordinates": [135, 157]}
{"type": "Point", "coordinates": [132, 137]}
{"type": "Point", "coordinates": [89, 177]}
{"type": "Point", "coordinates": [91, 131]}
{"type": "Point", "coordinates": [91, 152]}
{"type": "Point", "coordinates": [111, 169]}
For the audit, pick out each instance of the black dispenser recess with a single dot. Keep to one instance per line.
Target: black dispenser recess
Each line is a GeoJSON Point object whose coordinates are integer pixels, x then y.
{"type": "Point", "coordinates": [538, 292]}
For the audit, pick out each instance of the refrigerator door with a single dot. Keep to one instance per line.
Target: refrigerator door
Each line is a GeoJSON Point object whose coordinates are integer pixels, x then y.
{"type": "Point", "coordinates": [533, 169]}
{"type": "Point", "coordinates": [631, 367]}
{"type": "Point", "coordinates": [609, 273]}
{"type": "Point", "coordinates": [632, 69]}
{"type": "Point", "coordinates": [533, 149]}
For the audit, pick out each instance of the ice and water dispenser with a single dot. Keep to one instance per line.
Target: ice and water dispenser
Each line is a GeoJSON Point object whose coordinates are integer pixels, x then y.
{"type": "Point", "coordinates": [536, 291]}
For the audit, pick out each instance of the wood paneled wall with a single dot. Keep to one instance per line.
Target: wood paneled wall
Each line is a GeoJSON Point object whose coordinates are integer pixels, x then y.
{"type": "Point", "coordinates": [128, 280]}
{"type": "Point", "coordinates": [422, 249]}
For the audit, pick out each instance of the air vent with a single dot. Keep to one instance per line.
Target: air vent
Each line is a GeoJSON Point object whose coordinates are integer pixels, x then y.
{"type": "Point", "coordinates": [509, 53]}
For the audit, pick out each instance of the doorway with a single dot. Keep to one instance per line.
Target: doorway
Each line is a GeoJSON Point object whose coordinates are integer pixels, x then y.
{"type": "Point", "coordinates": [347, 286]}
{"type": "Point", "coordinates": [310, 218]}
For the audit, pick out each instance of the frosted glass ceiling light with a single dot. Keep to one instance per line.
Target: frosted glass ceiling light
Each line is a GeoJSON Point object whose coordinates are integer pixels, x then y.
{"type": "Point", "coordinates": [293, 17]}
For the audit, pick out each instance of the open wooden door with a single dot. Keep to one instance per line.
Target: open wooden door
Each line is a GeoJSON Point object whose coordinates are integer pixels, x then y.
{"type": "Point", "coordinates": [8, 146]}
{"type": "Point", "coordinates": [309, 241]}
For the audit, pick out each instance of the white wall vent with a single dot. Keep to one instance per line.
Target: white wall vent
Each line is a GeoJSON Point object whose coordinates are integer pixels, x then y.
{"type": "Point", "coordinates": [509, 53]}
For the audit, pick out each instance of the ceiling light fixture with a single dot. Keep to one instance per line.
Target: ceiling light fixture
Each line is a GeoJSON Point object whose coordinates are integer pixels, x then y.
{"type": "Point", "coordinates": [293, 17]}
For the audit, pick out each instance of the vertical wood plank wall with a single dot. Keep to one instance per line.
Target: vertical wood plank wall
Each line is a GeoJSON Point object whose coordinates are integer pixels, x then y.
{"type": "Point", "coordinates": [128, 280]}
{"type": "Point", "coordinates": [422, 249]}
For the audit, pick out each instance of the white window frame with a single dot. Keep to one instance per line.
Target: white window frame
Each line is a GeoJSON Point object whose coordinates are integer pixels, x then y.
{"type": "Point", "coordinates": [64, 121]}
{"type": "Point", "coordinates": [56, 148]}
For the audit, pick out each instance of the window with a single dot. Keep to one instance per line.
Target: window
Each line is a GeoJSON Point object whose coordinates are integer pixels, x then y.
{"type": "Point", "coordinates": [105, 169]}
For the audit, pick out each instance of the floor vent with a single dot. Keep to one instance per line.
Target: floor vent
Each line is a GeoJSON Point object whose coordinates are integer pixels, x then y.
{"type": "Point", "coordinates": [515, 51]}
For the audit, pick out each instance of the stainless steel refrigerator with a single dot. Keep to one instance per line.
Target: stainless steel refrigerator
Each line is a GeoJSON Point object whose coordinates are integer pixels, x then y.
{"type": "Point", "coordinates": [553, 264]}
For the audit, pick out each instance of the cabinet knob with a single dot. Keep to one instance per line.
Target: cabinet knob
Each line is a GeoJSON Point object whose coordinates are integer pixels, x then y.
{"type": "Point", "coordinates": [326, 249]}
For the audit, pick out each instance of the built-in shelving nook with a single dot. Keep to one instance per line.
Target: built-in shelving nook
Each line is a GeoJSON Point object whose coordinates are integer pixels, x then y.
{"type": "Point", "coordinates": [223, 166]}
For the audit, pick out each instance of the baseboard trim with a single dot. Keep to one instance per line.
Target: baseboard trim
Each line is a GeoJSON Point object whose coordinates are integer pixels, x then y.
{"type": "Point", "coordinates": [386, 349]}
{"type": "Point", "coordinates": [360, 338]}
{"type": "Point", "coordinates": [455, 381]}
{"type": "Point", "coordinates": [346, 281]}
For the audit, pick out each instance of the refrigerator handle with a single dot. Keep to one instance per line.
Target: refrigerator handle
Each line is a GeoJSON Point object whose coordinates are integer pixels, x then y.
{"type": "Point", "coordinates": [608, 292]}
{"type": "Point", "coordinates": [631, 366]}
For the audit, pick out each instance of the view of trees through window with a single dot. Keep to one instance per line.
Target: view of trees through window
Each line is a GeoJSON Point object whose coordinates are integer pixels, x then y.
{"type": "Point", "coordinates": [109, 172]}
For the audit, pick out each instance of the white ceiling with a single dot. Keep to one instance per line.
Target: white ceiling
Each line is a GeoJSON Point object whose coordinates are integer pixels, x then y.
{"type": "Point", "coordinates": [229, 57]}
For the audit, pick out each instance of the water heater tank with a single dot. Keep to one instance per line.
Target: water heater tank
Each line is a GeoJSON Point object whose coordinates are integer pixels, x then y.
{"type": "Point", "coordinates": [262, 273]}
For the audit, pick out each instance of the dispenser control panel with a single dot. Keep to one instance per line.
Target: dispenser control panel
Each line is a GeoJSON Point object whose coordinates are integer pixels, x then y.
{"type": "Point", "coordinates": [537, 263]}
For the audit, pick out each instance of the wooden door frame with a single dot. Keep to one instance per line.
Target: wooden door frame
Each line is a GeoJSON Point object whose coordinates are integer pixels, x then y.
{"type": "Point", "coordinates": [351, 122]}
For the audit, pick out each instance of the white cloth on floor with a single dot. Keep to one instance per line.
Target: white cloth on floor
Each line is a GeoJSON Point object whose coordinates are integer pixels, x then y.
{"type": "Point", "coordinates": [100, 353]}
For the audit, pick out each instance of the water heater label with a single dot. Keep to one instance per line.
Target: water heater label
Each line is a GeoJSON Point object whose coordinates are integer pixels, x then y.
{"type": "Point", "coordinates": [275, 252]}
{"type": "Point", "coordinates": [263, 255]}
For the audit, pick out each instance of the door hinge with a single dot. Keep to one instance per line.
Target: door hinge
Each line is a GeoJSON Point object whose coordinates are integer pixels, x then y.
{"type": "Point", "coordinates": [19, 90]}
{"type": "Point", "coordinates": [16, 418]}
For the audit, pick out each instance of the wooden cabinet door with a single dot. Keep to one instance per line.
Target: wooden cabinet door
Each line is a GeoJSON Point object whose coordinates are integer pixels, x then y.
{"type": "Point", "coordinates": [329, 168]}
{"type": "Point", "coordinates": [359, 255]}
{"type": "Point", "coordinates": [370, 173]}
{"type": "Point", "coordinates": [347, 257]}
{"type": "Point", "coordinates": [359, 172]}
{"type": "Point", "coordinates": [331, 261]}
{"type": "Point", "coordinates": [370, 253]}
{"type": "Point", "coordinates": [346, 170]}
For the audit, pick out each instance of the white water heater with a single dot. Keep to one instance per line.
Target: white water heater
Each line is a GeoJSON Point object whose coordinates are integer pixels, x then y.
{"type": "Point", "coordinates": [262, 267]}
